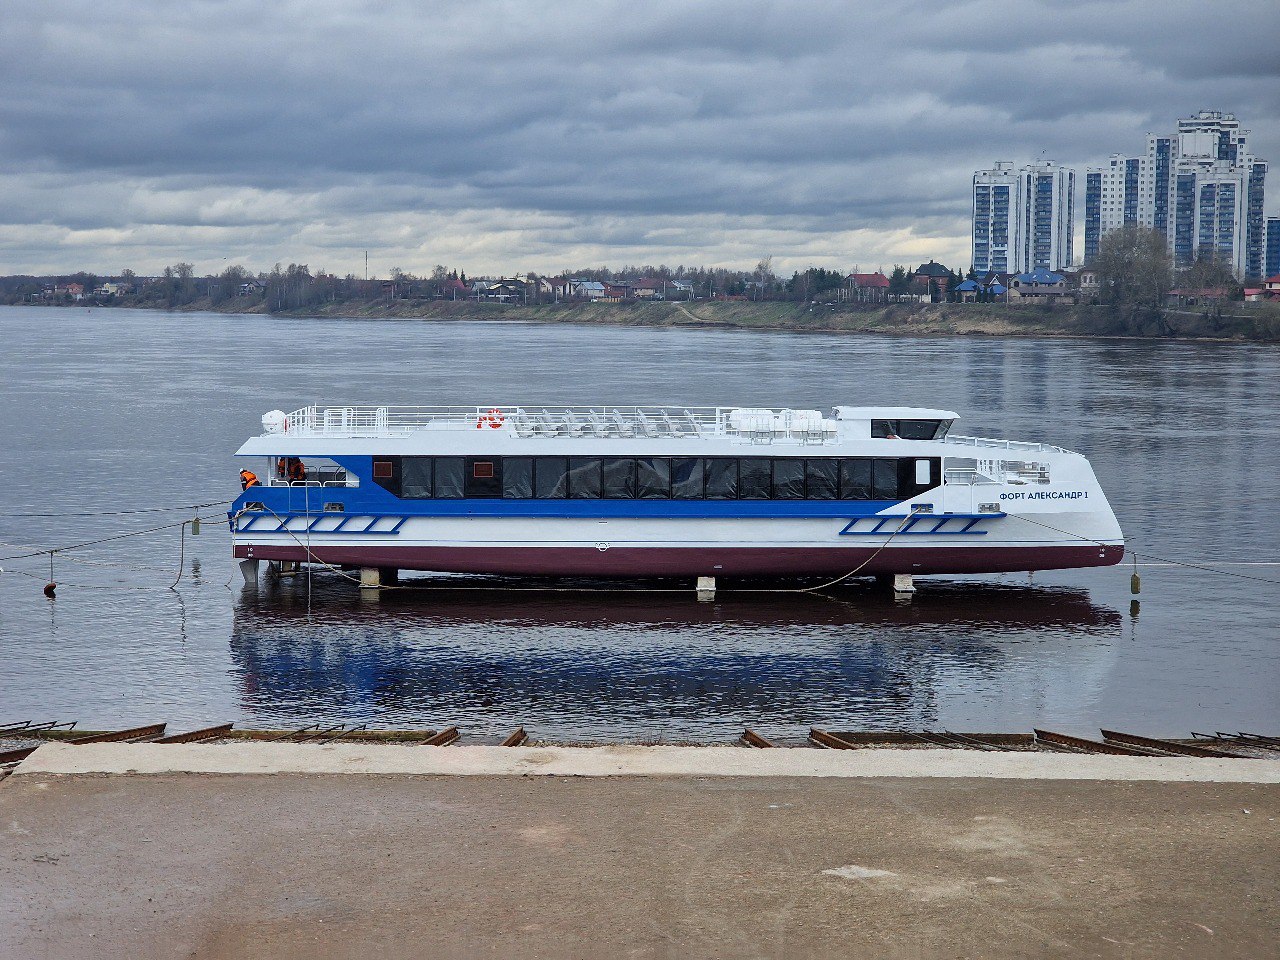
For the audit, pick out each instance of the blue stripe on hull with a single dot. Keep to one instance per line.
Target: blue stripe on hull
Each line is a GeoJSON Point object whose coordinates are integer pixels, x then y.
{"type": "Point", "coordinates": [578, 509]}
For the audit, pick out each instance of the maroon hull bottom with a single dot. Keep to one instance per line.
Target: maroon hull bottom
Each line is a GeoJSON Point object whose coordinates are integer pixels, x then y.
{"type": "Point", "coordinates": [698, 561]}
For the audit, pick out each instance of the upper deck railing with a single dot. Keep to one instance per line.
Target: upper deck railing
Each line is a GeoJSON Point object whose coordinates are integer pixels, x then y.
{"type": "Point", "coordinates": [564, 421]}
{"type": "Point", "coordinates": [1027, 445]}
{"type": "Point", "coordinates": [752, 424]}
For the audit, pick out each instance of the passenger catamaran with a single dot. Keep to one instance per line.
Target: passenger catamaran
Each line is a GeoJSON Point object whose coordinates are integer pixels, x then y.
{"type": "Point", "coordinates": [662, 491]}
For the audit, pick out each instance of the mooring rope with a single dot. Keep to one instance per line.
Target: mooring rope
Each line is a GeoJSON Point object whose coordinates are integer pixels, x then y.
{"type": "Point", "coordinates": [50, 552]}
{"type": "Point", "coordinates": [1137, 553]}
{"type": "Point", "coordinates": [115, 513]}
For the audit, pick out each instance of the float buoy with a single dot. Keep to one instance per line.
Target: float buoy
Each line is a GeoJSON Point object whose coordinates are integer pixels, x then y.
{"type": "Point", "coordinates": [493, 418]}
{"type": "Point", "coordinates": [50, 590]}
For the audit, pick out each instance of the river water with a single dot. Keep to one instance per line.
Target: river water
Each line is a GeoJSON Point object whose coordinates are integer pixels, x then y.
{"type": "Point", "coordinates": [114, 410]}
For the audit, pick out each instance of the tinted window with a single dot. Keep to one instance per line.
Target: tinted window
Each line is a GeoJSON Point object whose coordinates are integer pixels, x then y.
{"type": "Point", "coordinates": [855, 479]}
{"type": "Point", "coordinates": [386, 474]}
{"type": "Point", "coordinates": [754, 478]}
{"type": "Point", "coordinates": [484, 477]}
{"type": "Point", "coordinates": [884, 428]}
{"type": "Point", "coordinates": [686, 479]}
{"type": "Point", "coordinates": [449, 477]}
{"type": "Point", "coordinates": [415, 478]}
{"type": "Point", "coordinates": [551, 478]}
{"type": "Point", "coordinates": [653, 478]}
{"type": "Point", "coordinates": [918, 429]}
{"type": "Point", "coordinates": [722, 479]}
{"type": "Point", "coordinates": [584, 478]}
{"type": "Point", "coordinates": [517, 478]}
{"type": "Point", "coordinates": [619, 478]}
{"type": "Point", "coordinates": [823, 479]}
{"type": "Point", "coordinates": [788, 479]}
{"type": "Point", "coordinates": [884, 479]}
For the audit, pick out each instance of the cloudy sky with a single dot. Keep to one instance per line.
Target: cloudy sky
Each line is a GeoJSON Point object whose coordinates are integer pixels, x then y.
{"type": "Point", "coordinates": [502, 135]}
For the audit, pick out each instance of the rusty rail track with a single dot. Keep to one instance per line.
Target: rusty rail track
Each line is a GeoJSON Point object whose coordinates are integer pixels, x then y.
{"type": "Point", "coordinates": [753, 739]}
{"type": "Point", "coordinates": [829, 740]}
{"type": "Point", "coordinates": [115, 736]}
{"type": "Point", "coordinates": [1169, 746]}
{"type": "Point", "coordinates": [443, 738]}
{"type": "Point", "coordinates": [515, 738]}
{"type": "Point", "coordinates": [196, 736]}
{"type": "Point", "coordinates": [18, 755]}
{"type": "Point", "coordinates": [1089, 746]}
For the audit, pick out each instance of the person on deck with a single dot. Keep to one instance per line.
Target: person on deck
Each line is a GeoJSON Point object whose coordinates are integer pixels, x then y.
{"type": "Point", "coordinates": [248, 479]}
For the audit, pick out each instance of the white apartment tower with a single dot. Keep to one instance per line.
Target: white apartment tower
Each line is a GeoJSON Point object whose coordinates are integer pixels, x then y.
{"type": "Point", "coordinates": [1023, 218]}
{"type": "Point", "coordinates": [1200, 187]}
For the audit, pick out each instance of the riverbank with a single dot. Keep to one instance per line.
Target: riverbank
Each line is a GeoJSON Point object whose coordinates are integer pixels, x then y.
{"type": "Point", "coordinates": [1248, 322]}
{"type": "Point", "coordinates": [556, 863]}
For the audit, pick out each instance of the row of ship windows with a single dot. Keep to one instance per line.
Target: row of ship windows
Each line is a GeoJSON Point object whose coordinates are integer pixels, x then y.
{"type": "Point", "coordinates": [657, 478]}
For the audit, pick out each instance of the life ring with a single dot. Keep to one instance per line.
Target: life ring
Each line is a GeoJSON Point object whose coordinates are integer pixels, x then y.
{"type": "Point", "coordinates": [493, 418]}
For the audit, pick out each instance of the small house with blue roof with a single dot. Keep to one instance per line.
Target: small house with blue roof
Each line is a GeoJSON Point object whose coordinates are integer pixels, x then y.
{"type": "Point", "coordinates": [1039, 283]}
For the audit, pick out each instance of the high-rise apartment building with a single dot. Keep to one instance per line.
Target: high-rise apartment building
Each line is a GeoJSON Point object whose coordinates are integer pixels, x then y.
{"type": "Point", "coordinates": [1271, 257]}
{"type": "Point", "coordinates": [1201, 188]}
{"type": "Point", "coordinates": [1023, 218]}
{"type": "Point", "coordinates": [996, 218]}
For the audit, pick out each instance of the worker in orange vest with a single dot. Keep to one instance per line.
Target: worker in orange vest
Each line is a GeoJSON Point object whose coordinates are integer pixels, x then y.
{"type": "Point", "coordinates": [291, 469]}
{"type": "Point", "coordinates": [248, 479]}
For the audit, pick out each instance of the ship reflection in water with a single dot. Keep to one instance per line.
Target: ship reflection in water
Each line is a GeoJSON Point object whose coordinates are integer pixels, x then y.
{"type": "Point", "coordinates": [614, 666]}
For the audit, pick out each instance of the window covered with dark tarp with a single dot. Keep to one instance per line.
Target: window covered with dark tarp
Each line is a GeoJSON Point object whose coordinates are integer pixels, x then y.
{"type": "Point", "coordinates": [415, 478]}
{"type": "Point", "coordinates": [855, 479]}
{"type": "Point", "coordinates": [551, 478]}
{"type": "Point", "coordinates": [754, 478]}
{"type": "Point", "coordinates": [517, 478]}
{"type": "Point", "coordinates": [619, 478]}
{"type": "Point", "coordinates": [884, 479]}
{"type": "Point", "coordinates": [722, 479]}
{"type": "Point", "coordinates": [653, 478]}
{"type": "Point", "coordinates": [686, 479]}
{"type": "Point", "coordinates": [788, 479]}
{"type": "Point", "coordinates": [822, 479]}
{"type": "Point", "coordinates": [450, 473]}
{"type": "Point", "coordinates": [584, 478]}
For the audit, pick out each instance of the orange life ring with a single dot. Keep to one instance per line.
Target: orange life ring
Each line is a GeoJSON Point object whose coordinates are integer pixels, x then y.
{"type": "Point", "coordinates": [493, 418]}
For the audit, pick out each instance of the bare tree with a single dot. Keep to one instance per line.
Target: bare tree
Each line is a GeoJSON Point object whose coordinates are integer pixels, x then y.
{"type": "Point", "coordinates": [764, 275]}
{"type": "Point", "coordinates": [1134, 269]}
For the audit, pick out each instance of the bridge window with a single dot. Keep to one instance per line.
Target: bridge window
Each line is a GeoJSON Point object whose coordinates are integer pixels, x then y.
{"type": "Point", "coordinates": [907, 429]}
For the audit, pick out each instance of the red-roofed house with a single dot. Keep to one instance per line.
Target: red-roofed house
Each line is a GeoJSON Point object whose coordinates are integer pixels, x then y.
{"type": "Point", "coordinates": [869, 287]}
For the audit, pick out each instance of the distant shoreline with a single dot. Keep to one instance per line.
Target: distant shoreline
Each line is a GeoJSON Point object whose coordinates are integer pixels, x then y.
{"type": "Point", "coordinates": [906, 319]}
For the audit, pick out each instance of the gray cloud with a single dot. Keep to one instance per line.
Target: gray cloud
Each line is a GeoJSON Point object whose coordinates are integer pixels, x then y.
{"type": "Point", "coordinates": [515, 135]}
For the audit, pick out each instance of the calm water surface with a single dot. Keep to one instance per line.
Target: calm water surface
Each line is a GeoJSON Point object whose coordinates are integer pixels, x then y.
{"type": "Point", "coordinates": [126, 410]}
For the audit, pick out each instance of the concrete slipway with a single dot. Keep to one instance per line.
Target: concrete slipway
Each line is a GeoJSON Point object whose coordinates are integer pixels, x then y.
{"type": "Point", "coordinates": [363, 850]}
